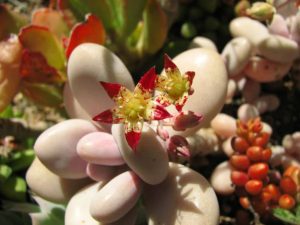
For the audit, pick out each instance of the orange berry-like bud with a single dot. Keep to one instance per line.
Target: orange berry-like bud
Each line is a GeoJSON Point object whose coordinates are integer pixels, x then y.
{"type": "Point", "coordinates": [286, 201]}
{"type": "Point", "coordinates": [239, 178]}
{"type": "Point", "coordinates": [262, 140]}
{"type": "Point", "coordinates": [266, 155]}
{"type": "Point", "coordinates": [266, 197]}
{"type": "Point", "coordinates": [239, 144]}
{"type": "Point", "coordinates": [274, 191]}
{"type": "Point", "coordinates": [289, 171]}
{"type": "Point", "coordinates": [244, 201]}
{"type": "Point", "coordinates": [254, 153]}
{"type": "Point", "coordinates": [288, 186]}
{"type": "Point", "coordinates": [254, 187]}
{"type": "Point", "coordinates": [240, 162]}
{"type": "Point", "coordinates": [258, 171]}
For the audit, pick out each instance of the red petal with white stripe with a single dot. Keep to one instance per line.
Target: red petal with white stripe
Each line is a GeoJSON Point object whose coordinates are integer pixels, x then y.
{"type": "Point", "coordinates": [111, 89]}
{"type": "Point", "coordinates": [133, 138]}
{"type": "Point", "coordinates": [160, 113]}
{"type": "Point", "coordinates": [147, 82]}
{"type": "Point", "coordinates": [168, 63]}
{"type": "Point", "coordinates": [106, 117]}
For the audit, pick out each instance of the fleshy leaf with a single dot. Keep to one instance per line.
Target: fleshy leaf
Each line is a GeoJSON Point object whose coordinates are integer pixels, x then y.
{"type": "Point", "coordinates": [147, 81]}
{"type": "Point", "coordinates": [155, 28]}
{"type": "Point", "coordinates": [111, 89]}
{"type": "Point", "coordinates": [91, 31]}
{"type": "Point", "coordinates": [99, 8]}
{"type": "Point", "coordinates": [133, 138]}
{"type": "Point", "coordinates": [34, 68]}
{"type": "Point", "coordinates": [40, 39]}
{"type": "Point", "coordinates": [126, 14]}
{"type": "Point", "coordinates": [42, 94]}
{"type": "Point", "coordinates": [52, 19]}
{"type": "Point", "coordinates": [10, 22]}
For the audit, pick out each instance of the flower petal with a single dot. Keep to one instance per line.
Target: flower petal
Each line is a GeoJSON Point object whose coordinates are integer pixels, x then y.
{"type": "Point", "coordinates": [147, 82]}
{"type": "Point", "coordinates": [190, 76]}
{"type": "Point", "coordinates": [181, 102]}
{"type": "Point", "coordinates": [163, 99]}
{"type": "Point", "coordinates": [168, 63]}
{"type": "Point", "coordinates": [107, 116]}
{"type": "Point", "coordinates": [186, 120]}
{"type": "Point", "coordinates": [133, 135]}
{"type": "Point", "coordinates": [160, 113]}
{"type": "Point", "coordinates": [111, 89]}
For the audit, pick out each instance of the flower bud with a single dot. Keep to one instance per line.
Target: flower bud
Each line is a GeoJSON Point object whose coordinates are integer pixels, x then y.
{"type": "Point", "coordinates": [261, 11]}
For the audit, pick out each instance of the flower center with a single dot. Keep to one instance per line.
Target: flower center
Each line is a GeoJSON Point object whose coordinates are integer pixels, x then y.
{"type": "Point", "coordinates": [135, 107]}
{"type": "Point", "coordinates": [177, 87]}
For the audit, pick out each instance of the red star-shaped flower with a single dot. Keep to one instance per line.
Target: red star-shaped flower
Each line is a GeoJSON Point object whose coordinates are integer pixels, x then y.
{"type": "Point", "coordinates": [133, 108]}
{"type": "Point", "coordinates": [174, 86]}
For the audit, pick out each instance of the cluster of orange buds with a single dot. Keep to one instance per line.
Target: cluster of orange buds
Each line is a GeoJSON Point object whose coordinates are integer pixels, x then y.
{"type": "Point", "coordinates": [251, 173]}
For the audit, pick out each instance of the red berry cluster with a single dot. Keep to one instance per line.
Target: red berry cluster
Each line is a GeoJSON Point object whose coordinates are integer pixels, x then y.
{"type": "Point", "coordinates": [251, 170]}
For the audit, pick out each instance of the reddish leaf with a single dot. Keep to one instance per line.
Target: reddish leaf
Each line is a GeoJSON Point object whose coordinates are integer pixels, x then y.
{"type": "Point", "coordinates": [133, 139]}
{"type": "Point", "coordinates": [160, 113]}
{"type": "Point", "coordinates": [34, 68]}
{"type": "Point", "coordinates": [168, 63]}
{"type": "Point", "coordinates": [40, 39]}
{"type": "Point", "coordinates": [52, 19]}
{"type": "Point", "coordinates": [147, 82]}
{"type": "Point", "coordinates": [111, 89]}
{"type": "Point", "coordinates": [91, 31]}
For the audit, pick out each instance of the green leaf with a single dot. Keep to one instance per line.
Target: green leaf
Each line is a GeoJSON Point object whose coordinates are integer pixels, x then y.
{"type": "Point", "coordinates": [24, 161]}
{"type": "Point", "coordinates": [13, 218]}
{"type": "Point", "coordinates": [7, 112]}
{"type": "Point", "coordinates": [286, 216]}
{"type": "Point", "coordinates": [43, 94]}
{"type": "Point", "coordinates": [10, 22]}
{"type": "Point", "coordinates": [5, 172]}
{"type": "Point", "coordinates": [50, 214]}
{"type": "Point", "coordinates": [155, 29]}
{"type": "Point", "coordinates": [14, 188]}
{"type": "Point", "coordinates": [40, 39]}
{"type": "Point", "coordinates": [127, 14]}
{"type": "Point", "coordinates": [100, 8]}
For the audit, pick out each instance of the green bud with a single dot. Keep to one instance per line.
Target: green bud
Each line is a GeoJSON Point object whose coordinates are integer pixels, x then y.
{"type": "Point", "coordinates": [14, 188]}
{"type": "Point", "coordinates": [261, 11]}
{"type": "Point", "coordinates": [23, 160]}
{"type": "Point", "coordinates": [188, 30]}
{"type": "Point", "coordinates": [5, 172]}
